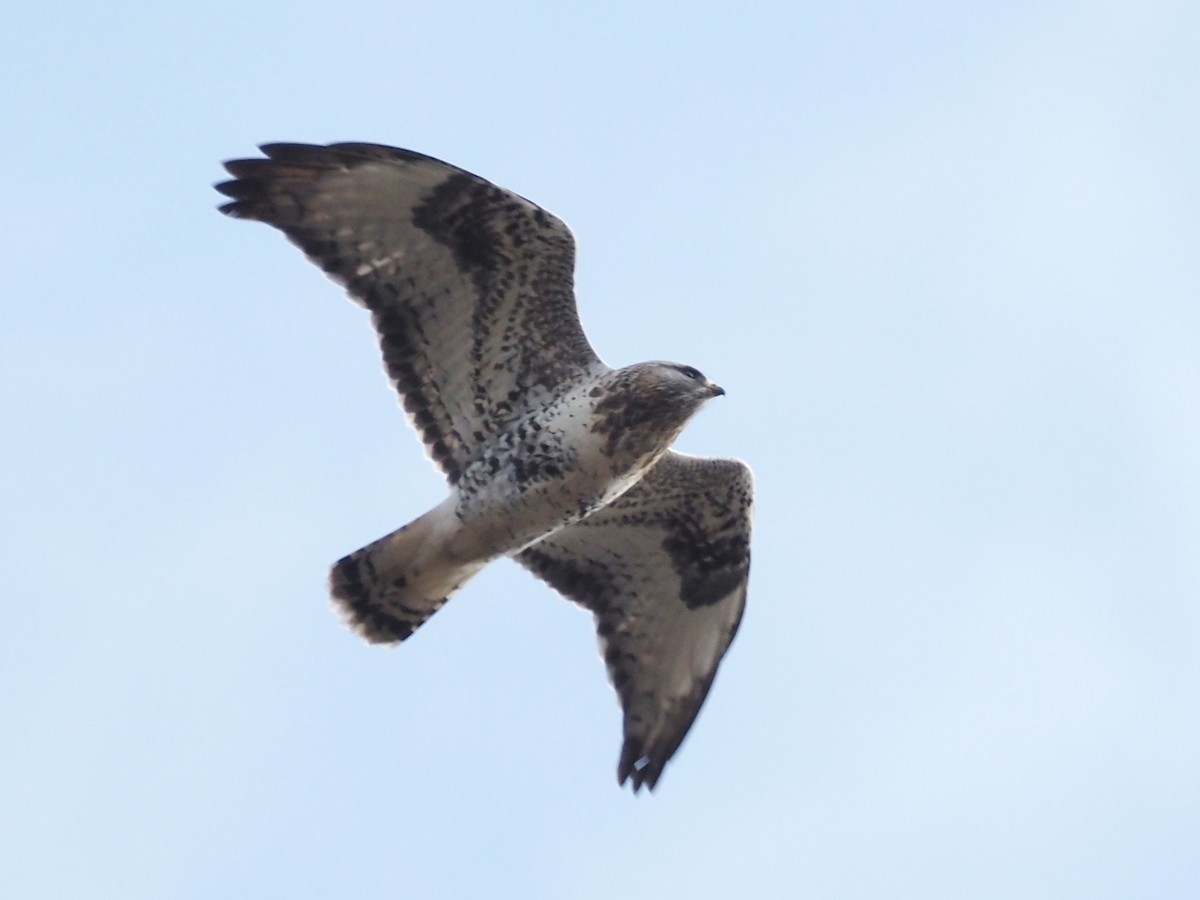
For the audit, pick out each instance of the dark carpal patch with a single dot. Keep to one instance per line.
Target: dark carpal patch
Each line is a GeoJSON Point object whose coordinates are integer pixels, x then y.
{"type": "Point", "coordinates": [709, 570]}
{"type": "Point", "coordinates": [517, 259]}
{"type": "Point", "coordinates": [458, 215]}
{"type": "Point", "coordinates": [708, 542]}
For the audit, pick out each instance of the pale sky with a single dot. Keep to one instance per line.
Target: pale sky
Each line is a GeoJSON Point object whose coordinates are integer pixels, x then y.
{"type": "Point", "coordinates": [942, 257]}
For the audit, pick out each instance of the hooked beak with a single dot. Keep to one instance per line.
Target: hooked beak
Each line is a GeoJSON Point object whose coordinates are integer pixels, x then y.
{"type": "Point", "coordinates": [716, 390]}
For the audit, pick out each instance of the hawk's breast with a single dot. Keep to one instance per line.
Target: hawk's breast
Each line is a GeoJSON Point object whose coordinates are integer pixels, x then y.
{"type": "Point", "coordinates": [546, 470]}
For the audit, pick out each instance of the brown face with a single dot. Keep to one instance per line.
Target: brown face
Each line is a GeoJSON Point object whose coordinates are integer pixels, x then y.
{"type": "Point", "coordinates": [644, 407]}
{"type": "Point", "coordinates": [686, 386]}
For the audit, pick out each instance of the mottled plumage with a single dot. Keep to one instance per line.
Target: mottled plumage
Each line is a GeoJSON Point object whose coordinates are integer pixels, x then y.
{"type": "Point", "coordinates": [553, 457]}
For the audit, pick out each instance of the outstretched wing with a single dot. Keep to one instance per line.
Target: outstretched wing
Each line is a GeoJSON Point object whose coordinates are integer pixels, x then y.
{"type": "Point", "coordinates": [469, 286]}
{"type": "Point", "coordinates": [664, 569]}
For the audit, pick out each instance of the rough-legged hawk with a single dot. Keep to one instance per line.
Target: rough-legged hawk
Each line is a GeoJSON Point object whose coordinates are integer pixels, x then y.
{"type": "Point", "coordinates": [553, 457]}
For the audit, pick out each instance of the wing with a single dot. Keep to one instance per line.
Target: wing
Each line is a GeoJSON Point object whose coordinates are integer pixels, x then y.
{"type": "Point", "coordinates": [470, 287]}
{"type": "Point", "coordinates": [664, 569]}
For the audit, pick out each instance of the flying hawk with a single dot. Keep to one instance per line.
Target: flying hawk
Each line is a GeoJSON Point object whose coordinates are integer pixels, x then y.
{"type": "Point", "coordinates": [553, 457]}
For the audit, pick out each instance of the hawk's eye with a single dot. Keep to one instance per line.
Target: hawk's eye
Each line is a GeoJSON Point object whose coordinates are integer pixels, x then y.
{"type": "Point", "coordinates": [691, 373]}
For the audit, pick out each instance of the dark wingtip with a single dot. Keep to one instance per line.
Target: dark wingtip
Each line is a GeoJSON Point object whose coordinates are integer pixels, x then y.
{"type": "Point", "coordinates": [288, 149]}
{"type": "Point", "coordinates": [636, 768]}
{"type": "Point", "coordinates": [237, 190]}
{"type": "Point", "coordinates": [252, 178]}
{"type": "Point", "coordinates": [243, 188]}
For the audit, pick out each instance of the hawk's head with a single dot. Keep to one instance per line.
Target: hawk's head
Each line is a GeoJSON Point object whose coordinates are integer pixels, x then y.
{"type": "Point", "coordinates": [643, 407]}
{"type": "Point", "coordinates": [694, 381]}
{"type": "Point", "coordinates": [676, 388]}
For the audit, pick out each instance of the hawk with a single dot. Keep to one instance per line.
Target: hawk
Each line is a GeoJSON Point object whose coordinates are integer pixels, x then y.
{"type": "Point", "coordinates": [553, 458]}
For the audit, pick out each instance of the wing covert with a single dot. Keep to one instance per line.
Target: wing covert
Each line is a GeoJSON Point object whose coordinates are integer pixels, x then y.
{"type": "Point", "coordinates": [664, 569]}
{"type": "Point", "coordinates": [470, 286]}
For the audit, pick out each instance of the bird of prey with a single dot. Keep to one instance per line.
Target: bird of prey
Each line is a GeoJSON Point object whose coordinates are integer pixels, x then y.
{"type": "Point", "coordinates": [553, 458]}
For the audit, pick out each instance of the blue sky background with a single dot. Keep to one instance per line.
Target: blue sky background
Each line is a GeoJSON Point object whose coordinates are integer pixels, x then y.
{"type": "Point", "coordinates": [943, 257]}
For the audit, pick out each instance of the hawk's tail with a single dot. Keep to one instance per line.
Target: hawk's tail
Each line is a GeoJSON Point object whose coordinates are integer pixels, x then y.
{"type": "Point", "coordinates": [387, 590]}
